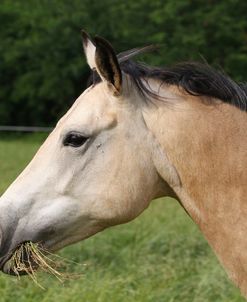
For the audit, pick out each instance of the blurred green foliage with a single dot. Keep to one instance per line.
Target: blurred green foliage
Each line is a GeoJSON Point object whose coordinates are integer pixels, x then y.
{"type": "Point", "coordinates": [42, 66]}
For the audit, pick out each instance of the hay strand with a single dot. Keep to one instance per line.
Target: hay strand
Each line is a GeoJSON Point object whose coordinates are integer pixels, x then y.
{"type": "Point", "coordinates": [29, 256]}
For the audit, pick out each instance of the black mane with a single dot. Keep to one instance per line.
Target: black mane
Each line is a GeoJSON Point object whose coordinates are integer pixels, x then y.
{"type": "Point", "coordinates": [197, 79]}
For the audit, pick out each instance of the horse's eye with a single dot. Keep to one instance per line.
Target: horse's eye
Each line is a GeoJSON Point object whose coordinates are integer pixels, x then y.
{"type": "Point", "coordinates": [74, 139]}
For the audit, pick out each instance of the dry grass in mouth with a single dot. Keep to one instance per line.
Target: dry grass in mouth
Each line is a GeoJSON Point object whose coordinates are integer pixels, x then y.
{"type": "Point", "coordinates": [29, 256]}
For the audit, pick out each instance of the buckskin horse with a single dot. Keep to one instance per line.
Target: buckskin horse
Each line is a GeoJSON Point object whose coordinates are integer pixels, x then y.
{"type": "Point", "coordinates": [138, 133]}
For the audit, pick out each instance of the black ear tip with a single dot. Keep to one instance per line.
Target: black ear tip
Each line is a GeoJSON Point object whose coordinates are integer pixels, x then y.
{"type": "Point", "coordinates": [84, 34]}
{"type": "Point", "coordinates": [98, 38]}
{"type": "Point", "coordinates": [99, 41]}
{"type": "Point", "coordinates": [85, 37]}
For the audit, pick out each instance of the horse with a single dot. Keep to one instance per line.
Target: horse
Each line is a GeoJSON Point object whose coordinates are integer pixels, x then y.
{"type": "Point", "coordinates": [135, 134]}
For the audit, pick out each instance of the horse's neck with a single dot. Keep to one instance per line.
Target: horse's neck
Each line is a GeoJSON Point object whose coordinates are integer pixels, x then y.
{"type": "Point", "coordinates": [207, 145]}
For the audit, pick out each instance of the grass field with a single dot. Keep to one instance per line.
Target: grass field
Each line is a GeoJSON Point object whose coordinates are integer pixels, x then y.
{"type": "Point", "coordinates": [159, 257]}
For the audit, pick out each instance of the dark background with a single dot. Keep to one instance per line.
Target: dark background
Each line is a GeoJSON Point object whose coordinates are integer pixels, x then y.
{"type": "Point", "coordinates": [42, 66]}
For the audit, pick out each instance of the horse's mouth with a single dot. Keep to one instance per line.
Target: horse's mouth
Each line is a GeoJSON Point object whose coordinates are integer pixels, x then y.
{"type": "Point", "coordinates": [19, 262]}
{"type": "Point", "coordinates": [26, 258]}
{"type": "Point", "coordinates": [9, 269]}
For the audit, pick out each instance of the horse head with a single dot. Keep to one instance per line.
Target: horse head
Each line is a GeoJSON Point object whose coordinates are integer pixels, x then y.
{"type": "Point", "coordinates": [96, 169]}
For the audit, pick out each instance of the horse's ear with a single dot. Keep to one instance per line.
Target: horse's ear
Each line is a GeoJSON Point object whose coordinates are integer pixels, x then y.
{"type": "Point", "coordinates": [89, 49]}
{"type": "Point", "coordinates": [107, 64]}
{"type": "Point", "coordinates": [101, 57]}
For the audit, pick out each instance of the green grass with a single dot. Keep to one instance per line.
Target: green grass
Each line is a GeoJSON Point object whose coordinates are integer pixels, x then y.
{"type": "Point", "coordinates": [161, 256]}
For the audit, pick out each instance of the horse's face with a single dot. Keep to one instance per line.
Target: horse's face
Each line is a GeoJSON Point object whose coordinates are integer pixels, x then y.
{"type": "Point", "coordinates": [89, 174]}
